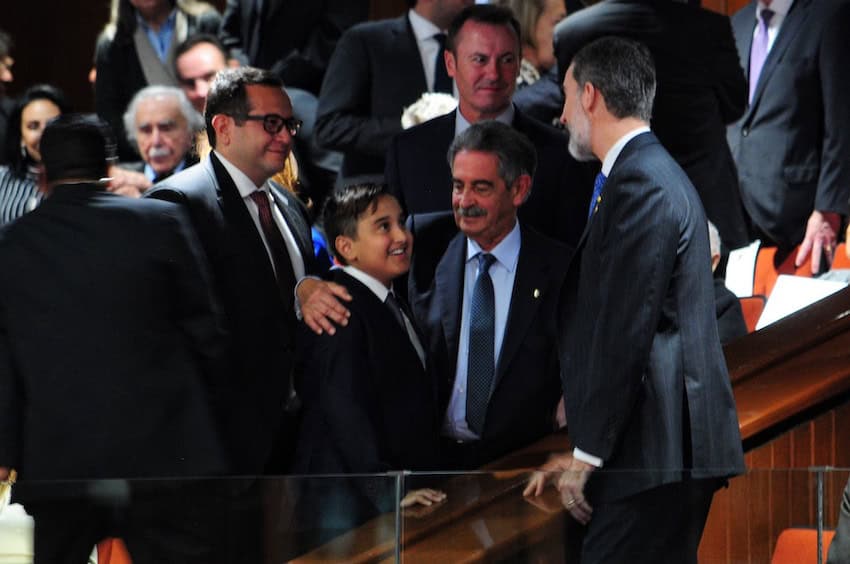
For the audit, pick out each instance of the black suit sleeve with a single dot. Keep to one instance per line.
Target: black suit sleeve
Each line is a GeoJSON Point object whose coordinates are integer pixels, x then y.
{"type": "Point", "coordinates": [730, 84]}
{"type": "Point", "coordinates": [833, 61]}
{"type": "Point", "coordinates": [306, 66]}
{"type": "Point", "coordinates": [343, 120]}
{"type": "Point", "coordinates": [10, 400]}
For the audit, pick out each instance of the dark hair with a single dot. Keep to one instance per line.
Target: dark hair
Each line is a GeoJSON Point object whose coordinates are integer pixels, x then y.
{"type": "Point", "coordinates": [623, 72]}
{"type": "Point", "coordinates": [516, 154]}
{"type": "Point", "coordinates": [344, 207]}
{"type": "Point", "coordinates": [228, 95]}
{"type": "Point", "coordinates": [6, 44]}
{"type": "Point", "coordinates": [197, 39]}
{"type": "Point", "coordinates": [19, 160]}
{"type": "Point", "coordinates": [482, 13]}
{"type": "Point", "coordinates": [77, 146]}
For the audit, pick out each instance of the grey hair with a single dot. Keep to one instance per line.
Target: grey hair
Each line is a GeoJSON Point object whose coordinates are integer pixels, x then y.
{"type": "Point", "coordinates": [623, 71]}
{"type": "Point", "coordinates": [194, 120]}
{"type": "Point", "coordinates": [516, 154]}
{"type": "Point", "coordinates": [713, 239]}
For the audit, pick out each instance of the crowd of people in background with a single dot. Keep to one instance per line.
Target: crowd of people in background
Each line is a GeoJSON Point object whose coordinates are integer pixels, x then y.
{"type": "Point", "coordinates": [281, 279]}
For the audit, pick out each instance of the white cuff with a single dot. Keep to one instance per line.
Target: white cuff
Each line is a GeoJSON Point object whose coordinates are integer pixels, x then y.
{"type": "Point", "coordinates": [585, 457]}
{"type": "Point", "coordinates": [298, 315]}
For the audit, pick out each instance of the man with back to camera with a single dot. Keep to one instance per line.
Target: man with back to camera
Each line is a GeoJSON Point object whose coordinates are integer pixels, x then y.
{"type": "Point", "coordinates": [107, 346]}
{"type": "Point", "coordinates": [648, 401]}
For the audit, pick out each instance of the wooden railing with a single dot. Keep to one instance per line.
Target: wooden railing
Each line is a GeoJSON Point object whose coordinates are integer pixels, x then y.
{"type": "Point", "coordinates": [791, 383]}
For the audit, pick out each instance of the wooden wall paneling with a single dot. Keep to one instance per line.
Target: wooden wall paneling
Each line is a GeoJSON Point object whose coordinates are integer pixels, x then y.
{"type": "Point", "coordinates": [714, 546]}
{"type": "Point", "coordinates": [842, 436]}
{"type": "Point", "coordinates": [759, 506]}
{"type": "Point", "coordinates": [780, 491]}
{"type": "Point", "coordinates": [801, 459]}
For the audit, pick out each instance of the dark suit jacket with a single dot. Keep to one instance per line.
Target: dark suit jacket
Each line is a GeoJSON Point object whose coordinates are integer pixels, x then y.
{"type": "Point", "coordinates": [727, 309]}
{"type": "Point", "coordinates": [106, 321]}
{"type": "Point", "coordinates": [120, 76]}
{"type": "Point", "coordinates": [700, 89]}
{"type": "Point", "coordinates": [419, 175]}
{"type": "Point", "coordinates": [792, 145]}
{"type": "Point", "coordinates": [526, 391]}
{"type": "Point", "coordinates": [262, 324]}
{"type": "Point", "coordinates": [297, 38]}
{"type": "Point", "coordinates": [644, 375]}
{"type": "Point", "coordinates": [373, 74]}
{"type": "Point", "coordinates": [369, 405]}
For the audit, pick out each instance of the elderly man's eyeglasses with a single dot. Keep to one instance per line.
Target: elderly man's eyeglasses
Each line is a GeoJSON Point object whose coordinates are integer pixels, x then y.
{"type": "Point", "coordinates": [273, 123]}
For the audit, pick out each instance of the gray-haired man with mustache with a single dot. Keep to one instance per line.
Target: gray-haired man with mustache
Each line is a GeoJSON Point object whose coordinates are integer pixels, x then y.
{"type": "Point", "coordinates": [487, 300]}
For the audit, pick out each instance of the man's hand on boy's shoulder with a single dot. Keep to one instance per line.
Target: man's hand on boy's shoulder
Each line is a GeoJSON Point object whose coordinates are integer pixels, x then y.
{"type": "Point", "coordinates": [321, 308]}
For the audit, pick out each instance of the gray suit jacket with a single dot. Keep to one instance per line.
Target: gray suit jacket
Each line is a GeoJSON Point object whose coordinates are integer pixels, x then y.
{"type": "Point", "coordinates": [644, 375]}
{"type": "Point", "coordinates": [261, 323]}
{"type": "Point", "coordinates": [792, 146]}
{"type": "Point", "coordinates": [373, 74]}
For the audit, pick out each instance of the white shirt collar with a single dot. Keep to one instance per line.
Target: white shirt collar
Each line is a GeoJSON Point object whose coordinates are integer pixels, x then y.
{"type": "Point", "coordinates": [506, 252]}
{"type": "Point", "coordinates": [422, 28]}
{"type": "Point", "coordinates": [461, 125]}
{"type": "Point", "coordinates": [368, 280]}
{"type": "Point", "coordinates": [616, 149]}
{"type": "Point", "coordinates": [244, 184]}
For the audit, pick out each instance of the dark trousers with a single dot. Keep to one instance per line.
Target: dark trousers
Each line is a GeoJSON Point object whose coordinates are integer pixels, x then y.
{"type": "Point", "coordinates": [661, 525]}
{"type": "Point", "coordinates": [160, 524]}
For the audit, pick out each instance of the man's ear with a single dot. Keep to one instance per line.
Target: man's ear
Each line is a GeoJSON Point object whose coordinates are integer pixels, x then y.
{"type": "Point", "coordinates": [589, 97]}
{"type": "Point", "coordinates": [521, 189]}
{"type": "Point", "coordinates": [344, 247]}
{"type": "Point", "coordinates": [223, 126]}
{"type": "Point", "coordinates": [449, 59]}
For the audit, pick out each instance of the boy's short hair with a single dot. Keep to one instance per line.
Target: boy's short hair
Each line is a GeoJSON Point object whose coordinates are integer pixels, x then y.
{"type": "Point", "coordinates": [344, 207]}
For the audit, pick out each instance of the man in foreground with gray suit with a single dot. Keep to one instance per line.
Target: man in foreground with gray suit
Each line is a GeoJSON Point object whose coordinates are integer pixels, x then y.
{"type": "Point", "coordinates": [792, 146]}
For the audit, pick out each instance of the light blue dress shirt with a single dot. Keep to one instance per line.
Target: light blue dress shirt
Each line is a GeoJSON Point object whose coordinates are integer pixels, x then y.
{"type": "Point", "coordinates": [160, 39]}
{"type": "Point", "coordinates": [503, 273]}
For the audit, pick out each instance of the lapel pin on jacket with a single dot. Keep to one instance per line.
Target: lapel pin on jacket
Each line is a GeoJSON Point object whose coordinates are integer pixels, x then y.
{"type": "Point", "coordinates": [536, 293]}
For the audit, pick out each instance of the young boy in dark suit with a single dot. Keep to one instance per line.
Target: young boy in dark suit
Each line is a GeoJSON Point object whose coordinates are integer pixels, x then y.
{"type": "Point", "coordinates": [369, 403]}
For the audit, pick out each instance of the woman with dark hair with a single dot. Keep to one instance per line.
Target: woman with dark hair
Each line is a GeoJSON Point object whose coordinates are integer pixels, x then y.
{"type": "Point", "coordinates": [19, 178]}
{"type": "Point", "coordinates": [136, 49]}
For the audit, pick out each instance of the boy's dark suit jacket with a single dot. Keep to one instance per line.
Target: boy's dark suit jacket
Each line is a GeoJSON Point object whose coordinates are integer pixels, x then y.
{"type": "Point", "coordinates": [645, 379]}
{"type": "Point", "coordinates": [369, 405]}
{"type": "Point", "coordinates": [107, 320]}
{"type": "Point", "coordinates": [527, 388]}
{"type": "Point", "coordinates": [261, 322]}
{"type": "Point", "coordinates": [419, 175]}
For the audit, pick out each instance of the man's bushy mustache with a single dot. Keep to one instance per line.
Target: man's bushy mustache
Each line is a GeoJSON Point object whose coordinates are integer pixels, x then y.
{"type": "Point", "coordinates": [471, 211]}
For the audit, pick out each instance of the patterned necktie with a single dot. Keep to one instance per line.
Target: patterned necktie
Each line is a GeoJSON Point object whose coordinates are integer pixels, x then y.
{"type": "Point", "coordinates": [597, 194]}
{"type": "Point", "coordinates": [442, 80]}
{"type": "Point", "coordinates": [277, 246]}
{"type": "Point", "coordinates": [482, 335]}
{"type": "Point", "coordinates": [759, 50]}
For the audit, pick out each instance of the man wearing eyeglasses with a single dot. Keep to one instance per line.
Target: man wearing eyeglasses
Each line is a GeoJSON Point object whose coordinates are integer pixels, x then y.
{"type": "Point", "coordinates": [257, 239]}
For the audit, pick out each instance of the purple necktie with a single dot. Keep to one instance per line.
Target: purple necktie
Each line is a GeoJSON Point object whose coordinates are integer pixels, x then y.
{"type": "Point", "coordinates": [758, 53]}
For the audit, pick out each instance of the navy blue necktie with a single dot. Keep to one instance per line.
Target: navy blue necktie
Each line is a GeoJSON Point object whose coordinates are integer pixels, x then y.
{"type": "Point", "coordinates": [482, 335]}
{"type": "Point", "coordinates": [442, 80]}
{"type": "Point", "coordinates": [597, 194]}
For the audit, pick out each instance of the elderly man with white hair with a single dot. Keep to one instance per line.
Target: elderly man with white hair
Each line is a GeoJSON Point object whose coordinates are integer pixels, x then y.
{"type": "Point", "coordinates": [162, 123]}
